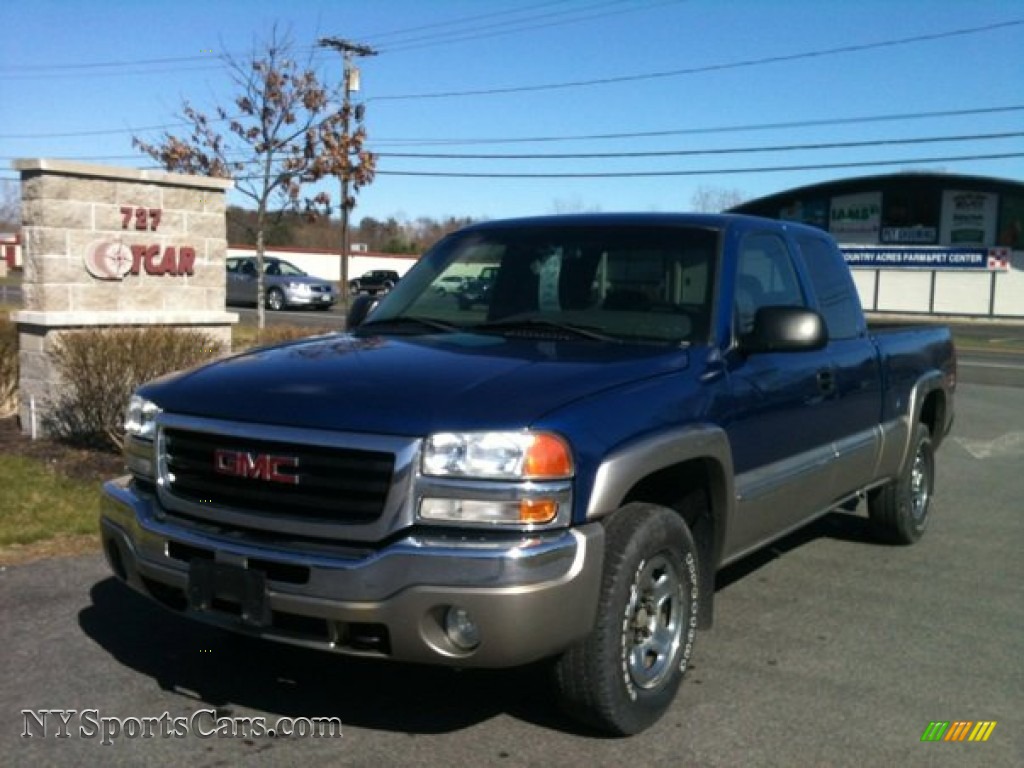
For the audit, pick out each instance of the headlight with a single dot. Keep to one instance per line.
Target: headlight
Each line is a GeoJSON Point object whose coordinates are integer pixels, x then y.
{"type": "Point", "coordinates": [497, 456]}
{"type": "Point", "coordinates": [140, 419]}
{"type": "Point", "coordinates": [299, 287]}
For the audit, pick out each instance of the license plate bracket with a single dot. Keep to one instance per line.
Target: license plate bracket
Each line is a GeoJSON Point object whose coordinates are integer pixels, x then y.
{"type": "Point", "coordinates": [210, 582]}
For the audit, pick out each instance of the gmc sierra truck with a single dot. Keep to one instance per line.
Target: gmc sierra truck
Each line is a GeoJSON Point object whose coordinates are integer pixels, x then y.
{"type": "Point", "coordinates": [556, 476]}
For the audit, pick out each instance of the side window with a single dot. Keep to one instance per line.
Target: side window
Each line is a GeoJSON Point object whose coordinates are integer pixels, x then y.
{"type": "Point", "coordinates": [764, 277]}
{"type": "Point", "coordinates": [837, 296]}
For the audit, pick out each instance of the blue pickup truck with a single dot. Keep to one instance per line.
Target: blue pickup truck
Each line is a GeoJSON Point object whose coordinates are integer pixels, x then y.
{"type": "Point", "coordinates": [556, 474]}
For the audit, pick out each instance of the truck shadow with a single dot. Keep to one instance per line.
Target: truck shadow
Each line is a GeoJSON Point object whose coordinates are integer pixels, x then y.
{"type": "Point", "coordinates": [838, 525]}
{"type": "Point", "coordinates": [217, 669]}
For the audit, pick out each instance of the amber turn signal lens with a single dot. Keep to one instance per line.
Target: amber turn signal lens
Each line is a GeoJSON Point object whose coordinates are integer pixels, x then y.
{"type": "Point", "coordinates": [547, 457]}
{"type": "Point", "coordinates": [537, 510]}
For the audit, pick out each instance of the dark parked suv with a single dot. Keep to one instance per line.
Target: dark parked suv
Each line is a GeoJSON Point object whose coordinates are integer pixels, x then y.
{"type": "Point", "coordinates": [373, 282]}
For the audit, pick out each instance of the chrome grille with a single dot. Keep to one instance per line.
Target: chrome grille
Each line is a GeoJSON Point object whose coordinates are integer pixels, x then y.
{"type": "Point", "coordinates": [341, 485]}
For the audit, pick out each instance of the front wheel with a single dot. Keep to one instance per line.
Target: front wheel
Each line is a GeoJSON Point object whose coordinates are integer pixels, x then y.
{"type": "Point", "coordinates": [899, 511]}
{"type": "Point", "coordinates": [275, 299]}
{"type": "Point", "coordinates": [622, 678]}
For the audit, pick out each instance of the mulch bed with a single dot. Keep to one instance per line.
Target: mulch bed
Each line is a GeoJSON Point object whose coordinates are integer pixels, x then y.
{"type": "Point", "coordinates": [77, 463]}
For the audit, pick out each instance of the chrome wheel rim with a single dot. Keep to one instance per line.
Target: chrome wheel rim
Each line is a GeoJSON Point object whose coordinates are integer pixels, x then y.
{"type": "Point", "coordinates": [919, 486]}
{"type": "Point", "coordinates": [654, 623]}
{"type": "Point", "coordinates": [274, 300]}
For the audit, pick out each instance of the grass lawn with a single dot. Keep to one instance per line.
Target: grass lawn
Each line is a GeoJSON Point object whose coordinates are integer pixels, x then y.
{"type": "Point", "coordinates": [39, 504]}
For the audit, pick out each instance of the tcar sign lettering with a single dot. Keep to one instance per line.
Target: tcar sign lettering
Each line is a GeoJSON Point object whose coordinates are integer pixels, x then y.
{"type": "Point", "coordinates": [255, 466]}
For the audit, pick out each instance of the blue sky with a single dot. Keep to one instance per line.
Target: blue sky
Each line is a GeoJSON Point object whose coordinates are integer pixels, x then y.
{"type": "Point", "coordinates": [725, 70]}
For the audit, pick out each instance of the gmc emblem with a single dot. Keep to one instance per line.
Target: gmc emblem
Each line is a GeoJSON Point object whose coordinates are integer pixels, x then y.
{"type": "Point", "coordinates": [255, 466]}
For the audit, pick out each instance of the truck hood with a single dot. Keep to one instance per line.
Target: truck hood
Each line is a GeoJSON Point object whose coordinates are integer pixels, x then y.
{"type": "Point", "coordinates": [409, 385]}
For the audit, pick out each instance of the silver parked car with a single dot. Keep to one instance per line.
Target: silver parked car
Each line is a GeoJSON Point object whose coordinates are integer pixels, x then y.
{"type": "Point", "coordinates": [285, 284]}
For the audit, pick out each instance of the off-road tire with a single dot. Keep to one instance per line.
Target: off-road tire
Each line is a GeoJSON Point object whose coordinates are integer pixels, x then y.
{"type": "Point", "coordinates": [899, 510]}
{"type": "Point", "coordinates": [623, 676]}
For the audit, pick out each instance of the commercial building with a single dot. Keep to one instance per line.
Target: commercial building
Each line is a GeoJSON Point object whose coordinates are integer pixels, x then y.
{"type": "Point", "coordinates": [921, 243]}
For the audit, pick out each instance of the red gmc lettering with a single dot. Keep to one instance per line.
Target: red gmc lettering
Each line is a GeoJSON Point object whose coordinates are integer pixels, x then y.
{"type": "Point", "coordinates": [255, 466]}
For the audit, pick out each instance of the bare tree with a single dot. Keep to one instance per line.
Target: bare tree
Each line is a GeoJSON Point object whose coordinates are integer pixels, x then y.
{"type": "Point", "coordinates": [707, 199]}
{"type": "Point", "coordinates": [10, 206]}
{"type": "Point", "coordinates": [285, 133]}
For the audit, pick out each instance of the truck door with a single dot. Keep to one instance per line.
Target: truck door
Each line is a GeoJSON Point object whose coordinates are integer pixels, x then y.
{"type": "Point", "coordinates": [778, 405]}
{"type": "Point", "coordinates": [857, 403]}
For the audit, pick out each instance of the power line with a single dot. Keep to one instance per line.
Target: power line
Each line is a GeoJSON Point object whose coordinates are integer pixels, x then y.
{"type": "Point", "coordinates": [458, 36]}
{"type": "Point", "coordinates": [120, 73]}
{"type": "Point", "coordinates": [238, 157]}
{"type": "Point", "coordinates": [707, 172]}
{"type": "Point", "coordinates": [712, 129]}
{"type": "Point", "coordinates": [449, 23]}
{"type": "Point", "coordinates": [583, 137]}
{"type": "Point", "coordinates": [30, 68]}
{"type": "Point", "coordinates": [857, 48]}
{"type": "Point", "coordinates": [695, 152]}
{"type": "Point", "coordinates": [38, 71]}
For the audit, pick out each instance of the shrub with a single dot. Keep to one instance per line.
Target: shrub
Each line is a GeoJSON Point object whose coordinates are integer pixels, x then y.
{"type": "Point", "coordinates": [99, 369]}
{"type": "Point", "coordinates": [248, 336]}
{"type": "Point", "coordinates": [8, 367]}
{"type": "Point", "coordinates": [276, 334]}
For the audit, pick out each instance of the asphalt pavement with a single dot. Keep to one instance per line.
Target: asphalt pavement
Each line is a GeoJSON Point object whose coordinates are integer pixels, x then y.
{"type": "Point", "coordinates": [828, 650]}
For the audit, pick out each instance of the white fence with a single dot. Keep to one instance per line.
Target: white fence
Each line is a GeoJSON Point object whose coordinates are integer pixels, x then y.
{"type": "Point", "coordinates": [328, 265]}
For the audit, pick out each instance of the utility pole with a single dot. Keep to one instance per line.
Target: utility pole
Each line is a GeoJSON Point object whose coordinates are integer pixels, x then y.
{"type": "Point", "coordinates": [348, 50]}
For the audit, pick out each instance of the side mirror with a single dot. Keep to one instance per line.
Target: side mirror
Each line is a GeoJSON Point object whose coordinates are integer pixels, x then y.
{"type": "Point", "coordinates": [361, 307]}
{"type": "Point", "coordinates": [785, 329]}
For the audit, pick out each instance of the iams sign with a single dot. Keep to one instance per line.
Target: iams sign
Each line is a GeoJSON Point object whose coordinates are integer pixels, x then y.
{"type": "Point", "coordinates": [256, 466]}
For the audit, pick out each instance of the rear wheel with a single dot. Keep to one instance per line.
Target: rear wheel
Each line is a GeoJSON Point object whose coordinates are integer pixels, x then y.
{"type": "Point", "coordinates": [899, 511]}
{"type": "Point", "coordinates": [625, 674]}
{"type": "Point", "coordinates": [275, 299]}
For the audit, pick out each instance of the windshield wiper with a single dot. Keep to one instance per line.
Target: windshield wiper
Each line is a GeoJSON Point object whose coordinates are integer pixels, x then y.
{"type": "Point", "coordinates": [539, 325]}
{"type": "Point", "coordinates": [408, 323]}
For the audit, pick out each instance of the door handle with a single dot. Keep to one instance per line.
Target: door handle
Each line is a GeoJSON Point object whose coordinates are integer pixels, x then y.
{"type": "Point", "coordinates": [826, 381]}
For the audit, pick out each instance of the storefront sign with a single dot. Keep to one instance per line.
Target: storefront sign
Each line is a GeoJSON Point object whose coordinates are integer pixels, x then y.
{"type": "Point", "coordinates": [989, 259]}
{"type": "Point", "coordinates": [918, 235]}
{"type": "Point", "coordinates": [813, 212]}
{"type": "Point", "coordinates": [968, 218]}
{"type": "Point", "coordinates": [856, 218]}
{"type": "Point", "coordinates": [114, 260]}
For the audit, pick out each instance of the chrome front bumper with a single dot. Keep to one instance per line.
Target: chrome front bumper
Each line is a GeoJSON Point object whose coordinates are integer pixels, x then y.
{"type": "Point", "coordinates": [531, 595]}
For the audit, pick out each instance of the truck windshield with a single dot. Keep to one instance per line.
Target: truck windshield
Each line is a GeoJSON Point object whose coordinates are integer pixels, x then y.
{"type": "Point", "coordinates": [628, 283]}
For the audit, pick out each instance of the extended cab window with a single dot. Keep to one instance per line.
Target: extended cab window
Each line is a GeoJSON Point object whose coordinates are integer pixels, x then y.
{"type": "Point", "coordinates": [765, 277]}
{"type": "Point", "coordinates": [837, 296]}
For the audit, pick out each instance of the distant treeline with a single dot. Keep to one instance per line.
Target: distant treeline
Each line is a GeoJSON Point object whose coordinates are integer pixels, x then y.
{"type": "Point", "coordinates": [298, 231]}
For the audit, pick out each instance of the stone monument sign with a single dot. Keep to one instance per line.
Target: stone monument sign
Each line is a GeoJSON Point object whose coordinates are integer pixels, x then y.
{"type": "Point", "coordinates": [107, 247]}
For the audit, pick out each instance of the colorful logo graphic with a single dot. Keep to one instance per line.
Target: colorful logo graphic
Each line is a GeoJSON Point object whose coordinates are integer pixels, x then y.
{"type": "Point", "coordinates": [958, 730]}
{"type": "Point", "coordinates": [107, 260]}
